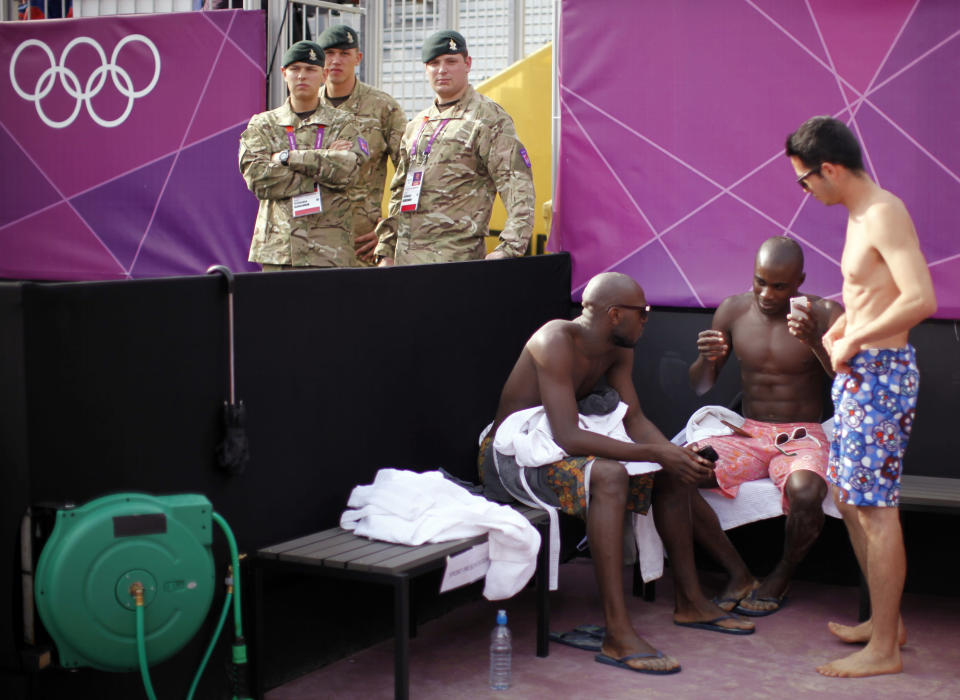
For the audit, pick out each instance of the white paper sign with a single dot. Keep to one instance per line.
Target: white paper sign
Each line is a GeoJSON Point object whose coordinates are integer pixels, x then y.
{"type": "Point", "coordinates": [466, 567]}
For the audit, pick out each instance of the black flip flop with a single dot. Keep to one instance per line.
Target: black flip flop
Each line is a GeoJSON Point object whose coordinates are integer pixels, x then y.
{"type": "Point", "coordinates": [586, 637]}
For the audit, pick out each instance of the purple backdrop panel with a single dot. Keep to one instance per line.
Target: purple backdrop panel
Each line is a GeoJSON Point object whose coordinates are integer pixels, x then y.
{"type": "Point", "coordinates": [99, 112]}
{"type": "Point", "coordinates": [671, 158]}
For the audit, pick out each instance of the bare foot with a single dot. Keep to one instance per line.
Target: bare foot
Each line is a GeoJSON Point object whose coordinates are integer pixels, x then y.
{"type": "Point", "coordinates": [735, 591]}
{"type": "Point", "coordinates": [860, 634]}
{"type": "Point", "coordinates": [862, 663]}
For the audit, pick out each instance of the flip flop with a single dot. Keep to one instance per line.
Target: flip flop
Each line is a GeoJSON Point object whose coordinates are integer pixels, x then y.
{"type": "Point", "coordinates": [713, 626]}
{"type": "Point", "coordinates": [586, 637]}
{"type": "Point", "coordinates": [622, 663]}
{"type": "Point", "coordinates": [754, 598]}
{"type": "Point", "coordinates": [720, 602]}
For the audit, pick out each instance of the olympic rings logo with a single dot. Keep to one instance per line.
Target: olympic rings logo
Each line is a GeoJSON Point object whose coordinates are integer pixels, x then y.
{"type": "Point", "coordinates": [71, 83]}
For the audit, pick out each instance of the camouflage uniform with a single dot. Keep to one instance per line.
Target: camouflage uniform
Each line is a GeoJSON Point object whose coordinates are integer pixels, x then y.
{"type": "Point", "coordinates": [381, 122]}
{"type": "Point", "coordinates": [476, 156]}
{"type": "Point", "coordinates": [324, 239]}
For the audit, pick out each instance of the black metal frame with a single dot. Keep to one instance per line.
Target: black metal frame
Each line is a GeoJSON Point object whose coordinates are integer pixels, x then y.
{"type": "Point", "coordinates": [404, 626]}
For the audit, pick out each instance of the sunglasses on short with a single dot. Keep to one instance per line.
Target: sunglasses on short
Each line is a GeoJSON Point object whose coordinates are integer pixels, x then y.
{"type": "Point", "coordinates": [798, 433]}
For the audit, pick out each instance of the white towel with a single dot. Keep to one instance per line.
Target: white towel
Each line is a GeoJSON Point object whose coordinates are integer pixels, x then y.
{"type": "Point", "coordinates": [526, 435]}
{"type": "Point", "coordinates": [412, 508]}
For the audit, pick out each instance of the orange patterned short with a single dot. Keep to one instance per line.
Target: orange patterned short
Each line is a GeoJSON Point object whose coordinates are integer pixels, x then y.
{"type": "Point", "coordinates": [566, 479]}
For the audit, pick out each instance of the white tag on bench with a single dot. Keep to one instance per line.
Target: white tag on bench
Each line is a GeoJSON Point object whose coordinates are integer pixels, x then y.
{"type": "Point", "coordinates": [466, 567]}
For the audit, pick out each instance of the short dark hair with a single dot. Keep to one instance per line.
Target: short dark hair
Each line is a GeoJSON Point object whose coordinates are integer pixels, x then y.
{"type": "Point", "coordinates": [825, 140]}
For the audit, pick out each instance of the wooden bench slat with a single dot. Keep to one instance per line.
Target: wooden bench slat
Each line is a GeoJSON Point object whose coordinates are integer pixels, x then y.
{"type": "Point", "coordinates": [275, 549]}
{"type": "Point", "coordinates": [407, 557]}
{"type": "Point", "coordinates": [331, 545]}
{"type": "Point", "coordinates": [319, 556]}
{"type": "Point", "coordinates": [346, 558]}
{"type": "Point", "coordinates": [930, 490]}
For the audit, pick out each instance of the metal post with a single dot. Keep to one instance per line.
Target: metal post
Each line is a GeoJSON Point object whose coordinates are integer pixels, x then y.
{"type": "Point", "coordinates": [373, 44]}
{"type": "Point", "coordinates": [555, 99]}
{"type": "Point", "coordinates": [518, 31]}
{"type": "Point", "coordinates": [450, 16]}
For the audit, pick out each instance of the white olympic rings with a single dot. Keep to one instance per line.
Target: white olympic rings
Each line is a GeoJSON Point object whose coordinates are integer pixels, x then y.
{"type": "Point", "coordinates": [71, 83]}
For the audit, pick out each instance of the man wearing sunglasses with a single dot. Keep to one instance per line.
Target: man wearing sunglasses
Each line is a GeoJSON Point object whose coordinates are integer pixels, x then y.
{"type": "Point", "coordinates": [559, 369]}
{"type": "Point", "coordinates": [887, 290]}
{"type": "Point", "coordinates": [784, 370]}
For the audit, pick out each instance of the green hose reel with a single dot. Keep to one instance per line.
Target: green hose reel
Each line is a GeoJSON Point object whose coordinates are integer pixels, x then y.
{"type": "Point", "coordinates": [94, 556]}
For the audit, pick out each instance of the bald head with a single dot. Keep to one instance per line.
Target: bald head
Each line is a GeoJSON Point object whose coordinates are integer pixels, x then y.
{"type": "Point", "coordinates": [609, 288]}
{"type": "Point", "coordinates": [780, 252]}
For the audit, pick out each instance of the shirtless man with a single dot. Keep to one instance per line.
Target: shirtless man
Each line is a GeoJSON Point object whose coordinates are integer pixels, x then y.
{"type": "Point", "coordinates": [783, 373]}
{"type": "Point", "coordinates": [887, 290]}
{"type": "Point", "coordinates": [561, 365]}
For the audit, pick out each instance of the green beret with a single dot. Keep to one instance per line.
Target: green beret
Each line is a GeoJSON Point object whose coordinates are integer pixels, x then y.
{"type": "Point", "coordinates": [447, 41]}
{"type": "Point", "coordinates": [304, 52]}
{"type": "Point", "coordinates": [339, 36]}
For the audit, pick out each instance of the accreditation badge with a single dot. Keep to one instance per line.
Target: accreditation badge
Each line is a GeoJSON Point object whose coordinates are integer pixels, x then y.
{"type": "Point", "coordinates": [411, 190]}
{"type": "Point", "coordinates": [309, 203]}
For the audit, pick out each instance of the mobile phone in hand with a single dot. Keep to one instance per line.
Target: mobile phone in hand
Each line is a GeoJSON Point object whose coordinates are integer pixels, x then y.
{"type": "Point", "coordinates": [708, 453]}
{"type": "Point", "coordinates": [800, 307]}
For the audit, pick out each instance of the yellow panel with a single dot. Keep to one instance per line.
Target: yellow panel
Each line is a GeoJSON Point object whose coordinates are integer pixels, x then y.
{"type": "Point", "coordinates": [523, 90]}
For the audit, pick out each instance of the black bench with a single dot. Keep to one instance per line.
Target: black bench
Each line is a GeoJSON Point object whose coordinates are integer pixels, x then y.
{"type": "Point", "coordinates": [929, 494]}
{"type": "Point", "coordinates": [341, 554]}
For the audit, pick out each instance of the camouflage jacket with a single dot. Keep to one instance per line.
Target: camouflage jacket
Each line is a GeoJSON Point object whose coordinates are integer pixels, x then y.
{"type": "Point", "coordinates": [324, 239]}
{"type": "Point", "coordinates": [381, 122]}
{"type": "Point", "coordinates": [475, 156]}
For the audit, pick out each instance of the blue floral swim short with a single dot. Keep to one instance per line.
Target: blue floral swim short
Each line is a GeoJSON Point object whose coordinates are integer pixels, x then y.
{"type": "Point", "coordinates": [874, 408]}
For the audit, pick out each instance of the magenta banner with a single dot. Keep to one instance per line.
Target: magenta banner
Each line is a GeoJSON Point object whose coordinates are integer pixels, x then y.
{"type": "Point", "coordinates": [119, 137]}
{"type": "Point", "coordinates": [674, 117]}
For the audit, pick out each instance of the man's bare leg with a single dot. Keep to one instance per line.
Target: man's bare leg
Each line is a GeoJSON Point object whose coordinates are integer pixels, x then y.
{"type": "Point", "coordinates": [886, 570]}
{"type": "Point", "coordinates": [707, 531]}
{"type": "Point", "coordinates": [858, 634]}
{"type": "Point", "coordinates": [608, 499]}
{"type": "Point", "coordinates": [673, 516]}
{"type": "Point", "coordinates": [805, 491]}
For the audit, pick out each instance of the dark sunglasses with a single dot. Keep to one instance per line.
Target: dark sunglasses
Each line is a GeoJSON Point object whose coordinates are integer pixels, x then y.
{"type": "Point", "coordinates": [644, 310]}
{"type": "Point", "coordinates": [802, 180]}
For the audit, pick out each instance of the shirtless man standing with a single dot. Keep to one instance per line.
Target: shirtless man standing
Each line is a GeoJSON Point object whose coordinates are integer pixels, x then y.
{"type": "Point", "coordinates": [561, 365]}
{"type": "Point", "coordinates": [887, 290]}
{"type": "Point", "coordinates": [783, 373]}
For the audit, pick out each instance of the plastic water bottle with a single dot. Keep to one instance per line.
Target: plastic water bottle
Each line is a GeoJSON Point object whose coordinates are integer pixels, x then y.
{"type": "Point", "coordinates": [501, 649]}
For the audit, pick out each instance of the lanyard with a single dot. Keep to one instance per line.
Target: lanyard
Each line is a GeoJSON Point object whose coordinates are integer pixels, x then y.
{"type": "Point", "coordinates": [426, 151]}
{"type": "Point", "coordinates": [293, 139]}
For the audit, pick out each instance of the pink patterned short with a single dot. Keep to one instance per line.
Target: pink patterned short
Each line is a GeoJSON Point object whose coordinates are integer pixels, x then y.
{"type": "Point", "coordinates": [746, 459]}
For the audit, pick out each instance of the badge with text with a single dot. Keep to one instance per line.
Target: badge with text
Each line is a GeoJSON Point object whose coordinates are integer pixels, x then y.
{"type": "Point", "coordinates": [309, 203]}
{"type": "Point", "coordinates": [411, 190]}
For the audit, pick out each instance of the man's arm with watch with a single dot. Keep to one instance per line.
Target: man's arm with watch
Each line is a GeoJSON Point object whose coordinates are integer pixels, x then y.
{"type": "Point", "coordinates": [263, 175]}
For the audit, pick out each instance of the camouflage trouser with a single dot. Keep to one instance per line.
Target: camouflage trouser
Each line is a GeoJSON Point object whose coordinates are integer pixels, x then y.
{"type": "Point", "coordinates": [566, 479]}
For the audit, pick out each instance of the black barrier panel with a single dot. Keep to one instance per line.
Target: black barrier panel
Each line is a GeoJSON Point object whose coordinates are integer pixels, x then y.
{"type": "Point", "coordinates": [14, 464]}
{"type": "Point", "coordinates": [931, 451]}
{"type": "Point", "coordinates": [342, 372]}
